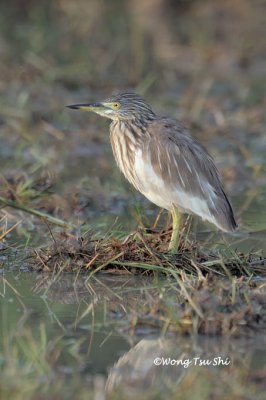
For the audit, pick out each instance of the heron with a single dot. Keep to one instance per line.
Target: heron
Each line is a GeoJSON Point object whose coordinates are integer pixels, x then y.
{"type": "Point", "coordinates": [161, 159]}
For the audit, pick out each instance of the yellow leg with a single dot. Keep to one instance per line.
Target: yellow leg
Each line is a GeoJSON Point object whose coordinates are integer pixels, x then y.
{"type": "Point", "coordinates": [173, 245]}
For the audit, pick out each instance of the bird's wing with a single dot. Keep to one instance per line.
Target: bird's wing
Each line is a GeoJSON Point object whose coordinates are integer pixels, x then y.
{"type": "Point", "coordinates": [186, 166]}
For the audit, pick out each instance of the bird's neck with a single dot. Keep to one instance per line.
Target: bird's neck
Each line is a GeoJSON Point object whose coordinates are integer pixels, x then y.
{"type": "Point", "coordinates": [123, 131]}
{"type": "Point", "coordinates": [137, 125]}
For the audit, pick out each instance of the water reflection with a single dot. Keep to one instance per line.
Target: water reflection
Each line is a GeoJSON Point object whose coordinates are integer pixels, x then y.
{"type": "Point", "coordinates": [164, 362]}
{"type": "Point", "coordinates": [93, 320]}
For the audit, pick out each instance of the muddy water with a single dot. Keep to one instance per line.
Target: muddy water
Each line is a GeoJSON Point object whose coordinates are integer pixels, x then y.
{"type": "Point", "coordinates": [94, 316]}
{"type": "Point", "coordinates": [45, 64]}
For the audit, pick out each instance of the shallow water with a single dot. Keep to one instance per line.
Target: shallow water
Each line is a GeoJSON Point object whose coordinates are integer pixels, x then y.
{"type": "Point", "coordinates": [90, 318]}
{"type": "Point", "coordinates": [195, 62]}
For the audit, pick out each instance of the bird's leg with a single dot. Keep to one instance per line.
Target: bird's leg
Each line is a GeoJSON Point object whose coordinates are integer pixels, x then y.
{"type": "Point", "coordinates": [173, 245]}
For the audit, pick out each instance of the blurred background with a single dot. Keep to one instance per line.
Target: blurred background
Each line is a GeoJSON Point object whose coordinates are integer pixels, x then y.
{"type": "Point", "coordinates": [200, 61]}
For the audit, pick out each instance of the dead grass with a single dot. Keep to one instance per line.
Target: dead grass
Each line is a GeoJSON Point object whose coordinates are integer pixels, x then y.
{"type": "Point", "coordinates": [206, 293]}
{"type": "Point", "coordinates": [142, 252]}
{"type": "Point", "coordinates": [195, 61]}
{"type": "Point", "coordinates": [182, 303]}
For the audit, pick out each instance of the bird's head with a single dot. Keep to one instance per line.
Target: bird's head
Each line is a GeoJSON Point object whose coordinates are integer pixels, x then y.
{"type": "Point", "coordinates": [121, 106]}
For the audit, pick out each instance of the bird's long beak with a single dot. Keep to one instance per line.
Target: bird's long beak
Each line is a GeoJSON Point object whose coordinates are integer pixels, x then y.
{"type": "Point", "coordinates": [94, 107]}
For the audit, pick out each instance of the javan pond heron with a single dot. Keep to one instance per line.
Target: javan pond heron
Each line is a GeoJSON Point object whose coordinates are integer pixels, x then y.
{"type": "Point", "coordinates": [161, 160]}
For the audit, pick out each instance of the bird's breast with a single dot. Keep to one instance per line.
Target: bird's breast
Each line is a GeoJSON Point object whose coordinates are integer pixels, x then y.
{"type": "Point", "coordinates": [125, 145]}
{"type": "Point", "coordinates": [132, 157]}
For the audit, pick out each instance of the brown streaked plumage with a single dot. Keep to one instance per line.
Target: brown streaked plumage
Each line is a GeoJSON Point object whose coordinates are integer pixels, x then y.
{"type": "Point", "coordinates": [160, 158]}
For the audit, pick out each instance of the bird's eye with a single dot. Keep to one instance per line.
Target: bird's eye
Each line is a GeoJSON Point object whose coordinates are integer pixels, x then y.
{"type": "Point", "coordinates": [116, 106]}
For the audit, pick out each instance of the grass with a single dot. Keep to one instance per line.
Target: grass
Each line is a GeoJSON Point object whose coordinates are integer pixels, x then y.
{"type": "Point", "coordinates": [194, 61]}
{"type": "Point", "coordinates": [143, 251]}
{"type": "Point", "coordinates": [43, 216]}
{"type": "Point", "coordinates": [214, 290]}
{"type": "Point", "coordinates": [210, 294]}
{"type": "Point", "coordinates": [31, 368]}
{"type": "Point", "coordinates": [37, 363]}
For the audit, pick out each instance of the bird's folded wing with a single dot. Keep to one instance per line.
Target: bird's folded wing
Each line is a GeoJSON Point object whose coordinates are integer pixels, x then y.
{"type": "Point", "coordinates": [185, 166]}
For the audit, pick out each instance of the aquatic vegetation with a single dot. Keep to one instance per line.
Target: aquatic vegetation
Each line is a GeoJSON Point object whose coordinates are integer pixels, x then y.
{"type": "Point", "coordinates": [90, 297]}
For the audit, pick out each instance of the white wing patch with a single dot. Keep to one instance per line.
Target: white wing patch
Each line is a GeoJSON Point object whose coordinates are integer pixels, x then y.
{"type": "Point", "coordinates": [153, 187]}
